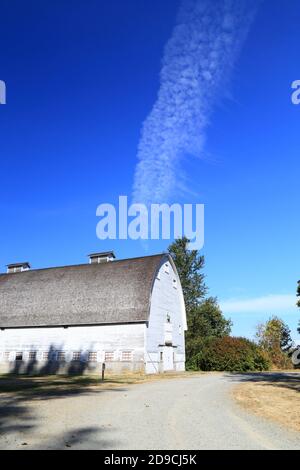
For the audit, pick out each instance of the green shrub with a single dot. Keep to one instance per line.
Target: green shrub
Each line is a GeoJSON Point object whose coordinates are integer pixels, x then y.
{"type": "Point", "coordinates": [228, 354]}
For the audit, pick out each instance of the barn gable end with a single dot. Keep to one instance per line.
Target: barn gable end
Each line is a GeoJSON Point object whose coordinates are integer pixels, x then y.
{"type": "Point", "coordinates": [165, 342]}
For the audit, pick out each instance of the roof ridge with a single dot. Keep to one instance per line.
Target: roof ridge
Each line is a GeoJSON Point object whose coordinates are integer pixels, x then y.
{"type": "Point", "coordinates": [89, 264]}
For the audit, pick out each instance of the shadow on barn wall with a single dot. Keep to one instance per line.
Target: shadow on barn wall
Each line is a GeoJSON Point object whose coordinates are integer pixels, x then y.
{"type": "Point", "coordinates": [55, 365]}
{"type": "Point", "coordinates": [52, 365]}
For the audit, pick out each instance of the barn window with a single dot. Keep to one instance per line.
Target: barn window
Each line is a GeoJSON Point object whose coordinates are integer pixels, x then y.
{"type": "Point", "coordinates": [45, 356]}
{"type": "Point", "coordinates": [92, 357]}
{"type": "Point", "coordinates": [126, 355]}
{"type": "Point", "coordinates": [109, 356]}
{"type": "Point", "coordinates": [19, 356]}
{"type": "Point", "coordinates": [61, 356]}
{"type": "Point", "coordinates": [32, 355]}
{"type": "Point", "coordinates": [6, 355]}
{"type": "Point", "coordinates": [76, 356]}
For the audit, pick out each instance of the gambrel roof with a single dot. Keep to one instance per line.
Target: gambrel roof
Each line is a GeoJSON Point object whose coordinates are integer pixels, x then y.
{"type": "Point", "coordinates": [89, 294]}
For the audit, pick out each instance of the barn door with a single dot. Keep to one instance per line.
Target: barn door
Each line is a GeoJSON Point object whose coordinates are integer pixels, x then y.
{"type": "Point", "coordinates": [168, 358]}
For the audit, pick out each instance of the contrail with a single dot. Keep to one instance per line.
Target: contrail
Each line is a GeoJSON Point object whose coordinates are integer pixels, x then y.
{"type": "Point", "coordinates": [196, 64]}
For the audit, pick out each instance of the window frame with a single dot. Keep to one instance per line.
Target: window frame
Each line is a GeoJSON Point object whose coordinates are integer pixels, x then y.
{"type": "Point", "coordinates": [32, 355]}
{"type": "Point", "coordinates": [45, 356]}
{"type": "Point", "coordinates": [61, 356]}
{"type": "Point", "coordinates": [109, 353]}
{"type": "Point", "coordinates": [91, 355]}
{"type": "Point", "coordinates": [76, 356]}
{"type": "Point", "coordinates": [129, 353]}
{"type": "Point", "coordinates": [6, 356]}
{"type": "Point", "coordinates": [19, 354]}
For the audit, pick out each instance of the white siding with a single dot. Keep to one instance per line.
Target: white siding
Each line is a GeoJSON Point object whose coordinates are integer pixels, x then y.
{"type": "Point", "coordinates": [166, 303]}
{"type": "Point", "coordinates": [100, 339]}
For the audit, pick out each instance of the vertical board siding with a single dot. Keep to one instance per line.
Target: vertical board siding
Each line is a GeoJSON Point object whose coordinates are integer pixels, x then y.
{"type": "Point", "coordinates": [166, 303]}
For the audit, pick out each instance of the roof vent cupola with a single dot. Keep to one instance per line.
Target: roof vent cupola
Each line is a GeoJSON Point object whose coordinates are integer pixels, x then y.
{"type": "Point", "coordinates": [105, 257]}
{"type": "Point", "coordinates": [17, 268]}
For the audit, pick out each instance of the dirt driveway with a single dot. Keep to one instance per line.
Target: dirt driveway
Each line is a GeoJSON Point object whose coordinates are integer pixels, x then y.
{"type": "Point", "coordinates": [197, 412]}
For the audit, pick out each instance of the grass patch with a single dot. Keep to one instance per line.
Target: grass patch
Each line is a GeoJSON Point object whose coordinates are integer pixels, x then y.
{"type": "Point", "coordinates": [277, 399]}
{"type": "Point", "coordinates": [31, 385]}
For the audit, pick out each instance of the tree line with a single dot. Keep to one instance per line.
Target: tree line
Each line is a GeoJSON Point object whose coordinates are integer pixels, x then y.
{"type": "Point", "coordinates": [209, 343]}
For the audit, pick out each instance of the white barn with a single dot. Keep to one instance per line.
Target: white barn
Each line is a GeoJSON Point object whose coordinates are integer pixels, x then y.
{"type": "Point", "coordinates": [128, 314]}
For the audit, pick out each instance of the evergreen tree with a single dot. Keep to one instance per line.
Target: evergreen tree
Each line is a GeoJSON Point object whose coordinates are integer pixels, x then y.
{"type": "Point", "coordinates": [207, 320]}
{"type": "Point", "coordinates": [189, 266]}
{"type": "Point", "coordinates": [204, 316]}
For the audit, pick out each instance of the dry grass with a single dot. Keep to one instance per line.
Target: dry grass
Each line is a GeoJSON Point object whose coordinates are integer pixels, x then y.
{"type": "Point", "coordinates": [39, 385]}
{"type": "Point", "coordinates": [277, 399]}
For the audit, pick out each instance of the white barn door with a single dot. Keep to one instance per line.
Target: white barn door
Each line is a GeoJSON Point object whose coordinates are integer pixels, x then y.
{"type": "Point", "coordinates": [168, 358]}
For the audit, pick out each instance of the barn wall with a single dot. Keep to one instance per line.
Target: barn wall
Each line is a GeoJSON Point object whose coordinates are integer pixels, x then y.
{"type": "Point", "coordinates": [114, 339]}
{"type": "Point", "coordinates": [166, 339]}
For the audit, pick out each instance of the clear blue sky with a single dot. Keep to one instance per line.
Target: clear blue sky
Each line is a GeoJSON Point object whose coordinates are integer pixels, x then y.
{"type": "Point", "coordinates": [82, 77]}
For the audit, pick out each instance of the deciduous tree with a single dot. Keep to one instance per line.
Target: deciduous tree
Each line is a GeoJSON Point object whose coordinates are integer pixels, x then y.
{"type": "Point", "coordinates": [274, 335]}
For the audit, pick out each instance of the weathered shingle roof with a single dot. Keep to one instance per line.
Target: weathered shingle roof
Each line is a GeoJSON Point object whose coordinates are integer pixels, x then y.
{"type": "Point", "coordinates": [114, 292]}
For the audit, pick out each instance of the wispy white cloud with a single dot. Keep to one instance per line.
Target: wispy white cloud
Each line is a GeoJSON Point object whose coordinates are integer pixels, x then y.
{"type": "Point", "coordinates": [269, 304]}
{"type": "Point", "coordinates": [197, 63]}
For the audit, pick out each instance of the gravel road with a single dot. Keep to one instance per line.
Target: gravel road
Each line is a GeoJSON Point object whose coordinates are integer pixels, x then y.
{"type": "Point", "coordinates": [186, 413]}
